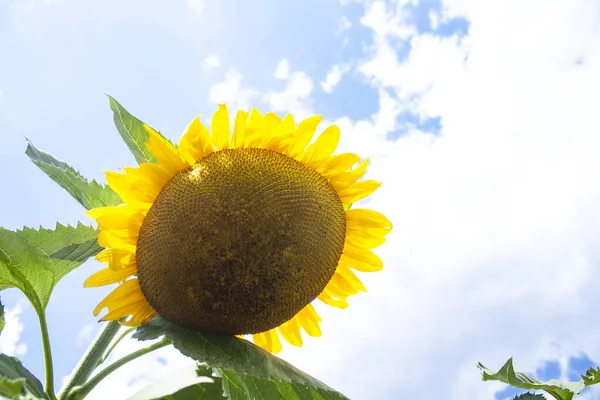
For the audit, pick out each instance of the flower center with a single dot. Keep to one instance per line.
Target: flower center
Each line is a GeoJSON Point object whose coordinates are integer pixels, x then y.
{"type": "Point", "coordinates": [240, 242]}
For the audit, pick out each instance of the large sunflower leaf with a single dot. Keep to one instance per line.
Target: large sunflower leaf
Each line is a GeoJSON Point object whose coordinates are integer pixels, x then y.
{"type": "Point", "coordinates": [16, 382]}
{"type": "Point", "coordinates": [559, 390]}
{"type": "Point", "coordinates": [132, 131]}
{"type": "Point", "coordinates": [241, 387]}
{"type": "Point", "coordinates": [35, 260]}
{"type": "Point", "coordinates": [247, 370]}
{"type": "Point", "coordinates": [89, 194]}
{"type": "Point", "coordinates": [192, 383]}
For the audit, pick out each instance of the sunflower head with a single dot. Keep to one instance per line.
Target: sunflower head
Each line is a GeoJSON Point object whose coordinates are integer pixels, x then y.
{"type": "Point", "coordinates": [238, 233]}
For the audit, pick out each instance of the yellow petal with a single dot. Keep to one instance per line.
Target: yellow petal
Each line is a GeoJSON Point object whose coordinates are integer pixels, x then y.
{"type": "Point", "coordinates": [357, 191]}
{"type": "Point", "coordinates": [260, 339]}
{"type": "Point", "coordinates": [361, 260]}
{"type": "Point", "coordinates": [337, 289]}
{"type": "Point", "coordinates": [304, 134]}
{"type": "Point", "coordinates": [309, 321]}
{"type": "Point", "coordinates": [350, 277]}
{"type": "Point", "coordinates": [196, 142]}
{"type": "Point", "coordinates": [108, 276]}
{"type": "Point", "coordinates": [114, 221]}
{"type": "Point", "coordinates": [116, 258]}
{"type": "Point", "coordinates": [343, 285]}
{"type": "Point", "coordinates": [220, 129]}
{"type": "Point", "coordinates": [349, 177]}
{"type": "Point", "coordinates": [140, 317]}
{"type": "Point", "coordinates": [239, 129]}
{"type": "Point", "coordinates": [164, 152]}
{"type": "Point", "coordinates": [268, 340]}
{"type": "Point", "coordinates": [283, 138]}
{"type": "Point", "coordinates": [326, 298]}
{"type": "Point", "coordinates": [126, 189]}
{"type": "Point", "coordinates": [339, 163]}
{"type": "Point", "coordinates": [127, 292]}
{"type": "Point", "coordinates": [122, 210]}
{"type": "Point", "coordinates": [366, 218]}
{"type": "Point", "coordinates": [290, 331]}
{"type": "Point", "coordinates": [363, 242]}
{"type": "Point", "coordinates": [148, 178]}
{"type": "Point", "coordinates": [254, 130]}
{"type": "Point", "coordinates": [277, 130]}
{"type": "Point", "coordinates": [125, 310]}
{"type": "Point", "coordinates": [323, 147]}
{"type": "Point", "coordinates": [271, 122]}
{"type": "Point", "coordinates": [118, 239]}
{"type": "Point", "coordinates": [367, 233]}
{"type": "Point", "coordinates": [275, 342]}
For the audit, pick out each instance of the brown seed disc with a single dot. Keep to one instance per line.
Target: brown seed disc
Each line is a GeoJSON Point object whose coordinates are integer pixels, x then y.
{"type": "Point", "coordinates": [240, 242]}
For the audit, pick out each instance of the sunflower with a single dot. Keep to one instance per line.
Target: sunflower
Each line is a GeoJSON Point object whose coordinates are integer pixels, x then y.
{"type": "Point", "coordinates": [238, 232]}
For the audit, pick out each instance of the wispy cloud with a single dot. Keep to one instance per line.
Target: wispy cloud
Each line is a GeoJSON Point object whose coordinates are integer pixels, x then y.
{"type": "Point", "coordinates": [232, 91]}
{"type": "Point", "coordinates": [211, 63]}
{"type": "Point", "coordinates": [334, 76]}
{"type": "Point", "coordinates": [282, 71]}
{"type": "Point", "coordinates": [11, 343]}
{"type": "Point", "coordinates": [196, 5]}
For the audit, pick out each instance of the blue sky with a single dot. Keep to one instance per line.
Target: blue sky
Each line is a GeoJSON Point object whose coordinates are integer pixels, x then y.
{"type": "Point", "coordinates": [479, 119]}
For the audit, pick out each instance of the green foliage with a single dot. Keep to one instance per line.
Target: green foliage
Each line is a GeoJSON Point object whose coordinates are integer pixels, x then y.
{"type": "Point", "coordinates": [35, 260]}
{"type": "Point", "coordinates": [2, 321]}
{"type": "Point", "coordinates": [191, 383]}
{"type": "Point", "coordinates": [591, 377]}
{"type": "Point", "coordinates": [557, 389]}
{"type": "Point", "coordinates": [132, 131]}
{"type": "Point", "coordinates": [16, 382]}
{"type": "Point", "coordinates": [88, 194]}
{"type": "Point", "coordinates": [247, 370]}
{"type": "Point", "coordinates": [529, 396]}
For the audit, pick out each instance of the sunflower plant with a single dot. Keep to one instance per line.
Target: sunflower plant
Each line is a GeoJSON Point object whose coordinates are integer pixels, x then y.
{"type": "Point", "coordinates": [219, 245]}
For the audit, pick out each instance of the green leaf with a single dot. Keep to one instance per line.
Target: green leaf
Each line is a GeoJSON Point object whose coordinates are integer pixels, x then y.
{"type": "Point", "coordinates": [191, 383]}
{"type": "Point", "coordinates": [559, 390]}
{"type": "Point", "coordinates": [35, 260]}
{"type": "Point", "coordinates": [529, 396]}
{"type": "Point", "coordinates": [591, 377]}
{"type": "Point", "coordinates": [2, 321]}
{"type": "Point", "coordinates": [16, 382]}
{"type": "Point", "coordinates": [247, 371]}
{"type": "Point", "coordinates": [132, 131]}
{"type": "Point", "coordinates": [240, 386]}
{"type": "Point", "coordinates": [88, 194]}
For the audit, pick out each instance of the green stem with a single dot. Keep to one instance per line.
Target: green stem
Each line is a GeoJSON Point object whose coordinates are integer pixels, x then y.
{"type": "Point", "coordinates": [80, 392]}
{"type": "Point", "coordinates": [47, 356]}
{"type": "Point", "coordinates": [91, 358]}
{"type": "Point", "coordinates": [114, 344]}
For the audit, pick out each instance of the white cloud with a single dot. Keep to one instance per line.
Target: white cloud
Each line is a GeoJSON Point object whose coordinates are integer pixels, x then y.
{"type": "Point", "coordinates": [334, 76]}
{"type": "Point", "coordinates": [232, 92]}
{"type": "Point", "coordinates": [434, 19]}
{"type": "Point", "coordinates": [294, 98]}
{"type": "Point", "coordinates": [387, 21]}
{"type": "Point", "coordinates": [211, 63]}
{"type": "Point", "coordinates": [497, 220]}
{"type": "Point", "coordinates": [343, 25]}
{"type": "Point", "coordinates": [10, 338]}
{"type": "Point", "coordinates": [85, 334]}
{"type": "Point", "coordinates": [196, 5]}
{"type": "Point", "coordinates": [283, 69]}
